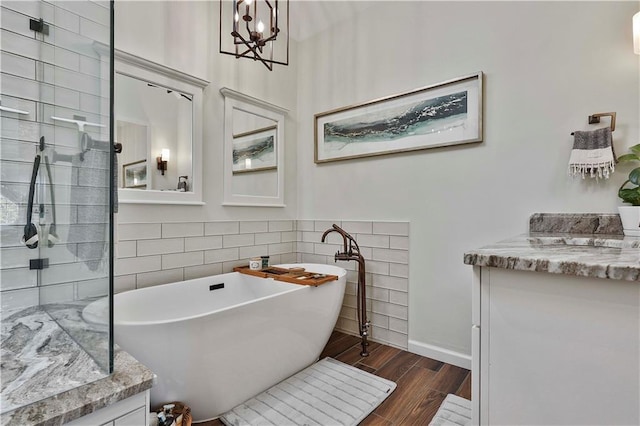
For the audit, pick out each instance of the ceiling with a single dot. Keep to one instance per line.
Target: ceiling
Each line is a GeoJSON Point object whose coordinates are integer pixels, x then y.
{"type": "Point", "coordinates": [310, 17]}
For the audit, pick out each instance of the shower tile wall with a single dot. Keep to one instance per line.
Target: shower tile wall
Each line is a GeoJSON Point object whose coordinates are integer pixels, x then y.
{"type": "Point", "coordinates": [59, 74]}
{"type": "Point", "coordinates": [150, 254]}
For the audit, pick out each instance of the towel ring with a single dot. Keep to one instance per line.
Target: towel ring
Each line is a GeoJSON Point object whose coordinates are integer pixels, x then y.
{"type": "Point", "coordinates": [595, 118]}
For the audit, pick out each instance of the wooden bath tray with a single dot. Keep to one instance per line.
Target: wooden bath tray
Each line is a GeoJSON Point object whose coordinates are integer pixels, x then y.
{"type": "Point", "coordinates": [282, 274]}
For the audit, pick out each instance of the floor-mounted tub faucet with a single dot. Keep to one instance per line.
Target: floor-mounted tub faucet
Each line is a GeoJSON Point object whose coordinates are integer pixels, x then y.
{"type": "Point", "coordinates": [351, 251]}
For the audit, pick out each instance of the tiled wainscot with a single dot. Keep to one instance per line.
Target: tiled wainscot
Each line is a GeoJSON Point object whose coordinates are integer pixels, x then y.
{"type": "Point", "coordinates": [157, 253]}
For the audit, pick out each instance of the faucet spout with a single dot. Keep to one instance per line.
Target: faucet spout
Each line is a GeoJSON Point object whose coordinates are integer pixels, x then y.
{"type": "Point", "coordinates": [327, 232]}
{"type": "Point", "coordinates": [345, 236]}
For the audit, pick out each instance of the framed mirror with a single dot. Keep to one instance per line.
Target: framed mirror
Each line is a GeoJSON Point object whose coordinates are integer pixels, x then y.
{"type": "Point", "coordinates": [253, 151]}
{"type": "Point", "coordinates": [158, 121]}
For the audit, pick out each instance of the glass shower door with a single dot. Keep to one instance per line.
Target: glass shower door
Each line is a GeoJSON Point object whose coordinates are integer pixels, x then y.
{"type": "Point", "coordinates": [56, 159]}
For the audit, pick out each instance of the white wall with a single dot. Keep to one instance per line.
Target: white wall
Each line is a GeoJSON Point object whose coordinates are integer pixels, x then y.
{"type": "Point", "coordinates": [547, 65]}
{"type": "Point", "coordinates": [184, 35]}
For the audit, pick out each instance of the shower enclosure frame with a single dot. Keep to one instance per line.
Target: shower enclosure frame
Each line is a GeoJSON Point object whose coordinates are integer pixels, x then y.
{"type": "Point", "coordinates": [61, 83]}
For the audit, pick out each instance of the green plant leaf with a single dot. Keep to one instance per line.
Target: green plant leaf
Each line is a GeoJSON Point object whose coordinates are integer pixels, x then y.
{"type": "Point", "coordinates": [635, 149]}
{"type": "Point", "coordinates": [628, 157]}
{"type": "Point", "coordinates": [622, 186]}
{"type": "Point", "coordinates": [634, 176]}
{"type": "Point", "coordinates": [630, 195]}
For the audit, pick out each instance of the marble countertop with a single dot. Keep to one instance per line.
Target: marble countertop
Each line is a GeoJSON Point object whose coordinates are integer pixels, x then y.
{"type": "Point", "coordinates": [598, 255]}
{"type": "Point", "coordinates": [47, 379]}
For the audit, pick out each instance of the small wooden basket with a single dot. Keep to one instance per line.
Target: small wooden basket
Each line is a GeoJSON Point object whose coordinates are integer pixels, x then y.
{"type": "Point", "coordinates": [181, 412]}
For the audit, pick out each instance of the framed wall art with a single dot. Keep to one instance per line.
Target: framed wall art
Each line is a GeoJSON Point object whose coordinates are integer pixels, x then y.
{"type": "Point", "coordinates": [255, 150]}
{"type": "Point", "coordinates": [443, 114]}
{"type": "Point", "coordinates": [134, 175]}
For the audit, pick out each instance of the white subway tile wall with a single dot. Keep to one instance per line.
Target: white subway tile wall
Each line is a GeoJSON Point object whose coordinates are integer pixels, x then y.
{"type": "Point", "coordinates": [171, 252]}
{"type": "Point", "coordinates": [54, 74]}
{"type": "Point", "coordinates": [385, 247]}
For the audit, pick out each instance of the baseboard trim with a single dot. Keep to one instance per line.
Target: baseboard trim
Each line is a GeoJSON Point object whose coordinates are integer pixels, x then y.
{"type": "Point", "coordinates": [440, 354]}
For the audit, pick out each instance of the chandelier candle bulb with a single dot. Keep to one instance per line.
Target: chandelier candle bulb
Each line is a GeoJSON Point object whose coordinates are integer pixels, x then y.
{"type": "Point", "coordinates": [260, 29]}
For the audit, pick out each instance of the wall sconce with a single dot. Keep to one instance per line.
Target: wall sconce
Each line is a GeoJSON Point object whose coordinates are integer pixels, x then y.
{"type": "Point", "coordinates": [254, 27]}
{"type": "Point", "coordinates": [636, 33]}
{"type": "Point", "coordinates": [163, 159]}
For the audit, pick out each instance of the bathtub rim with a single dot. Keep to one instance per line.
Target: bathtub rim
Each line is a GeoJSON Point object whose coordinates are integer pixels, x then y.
{"type": "Point", "coordinates": [294, 287]}
{"type": "Point", "coordinates": [204, 314]}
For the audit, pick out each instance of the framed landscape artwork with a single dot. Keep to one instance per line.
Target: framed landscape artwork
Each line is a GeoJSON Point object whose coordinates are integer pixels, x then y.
{"type": "Point", "coordinates": [447, 113]}
{"type": "Point", "coordinates": [134, 175]}
{"type": "Point", "coordinates": [255, 150]}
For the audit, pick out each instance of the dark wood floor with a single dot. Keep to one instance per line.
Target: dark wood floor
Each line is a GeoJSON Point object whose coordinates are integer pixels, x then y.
{"type": "Point", "coordinates": [422, 382]}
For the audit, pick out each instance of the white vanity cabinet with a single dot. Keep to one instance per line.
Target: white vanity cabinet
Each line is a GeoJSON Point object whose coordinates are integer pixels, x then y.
{"type": "Point", "coordinates": [133, 411]}
{"type": "Point", "coordinates": [554, 349]}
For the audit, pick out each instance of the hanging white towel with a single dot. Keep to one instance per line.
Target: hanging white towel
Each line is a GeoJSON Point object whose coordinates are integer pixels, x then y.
{"type": "Point", "coordinates": [592, 154]}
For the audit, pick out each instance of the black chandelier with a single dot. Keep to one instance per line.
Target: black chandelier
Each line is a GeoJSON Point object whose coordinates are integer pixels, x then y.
{"type": "Point", "coordinates": [256, 28]}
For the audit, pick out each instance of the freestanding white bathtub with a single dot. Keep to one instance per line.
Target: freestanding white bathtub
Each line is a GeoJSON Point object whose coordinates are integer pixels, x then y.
{"type": "Point", "coordinates": [214, 349]}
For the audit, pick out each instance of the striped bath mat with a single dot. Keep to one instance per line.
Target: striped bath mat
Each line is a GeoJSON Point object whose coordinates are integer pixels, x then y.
{"type": "Point", "coordinates": [454, 411]}
{"type": "Point", "coordinates": [328, 392]}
